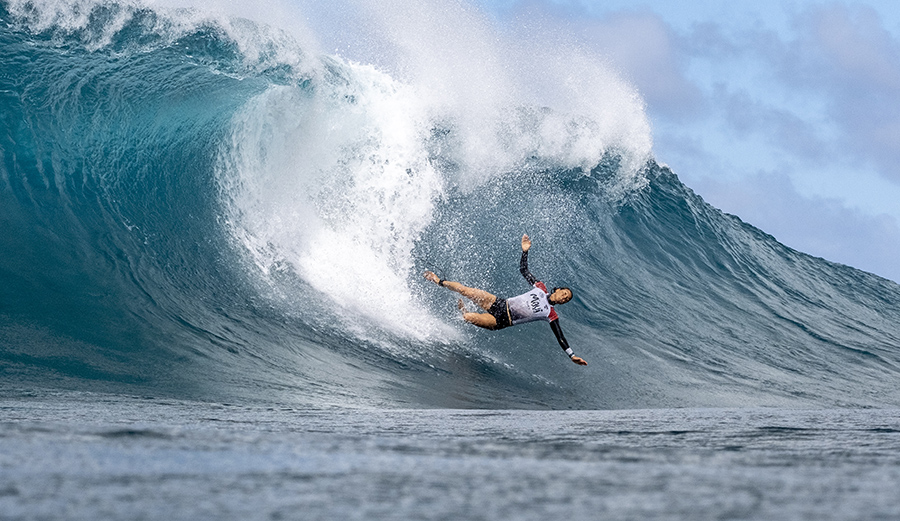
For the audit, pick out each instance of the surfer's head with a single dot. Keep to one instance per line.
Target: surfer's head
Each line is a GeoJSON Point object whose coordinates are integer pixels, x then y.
{"type": "Point", "coordinates": [560, 296]}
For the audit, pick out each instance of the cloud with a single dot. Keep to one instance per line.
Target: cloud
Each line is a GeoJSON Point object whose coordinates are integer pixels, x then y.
{"type": "Point", "coordinates": [849, 56]}
{"type": "Point", "coordinates": [828, 91]}
{"type": "Point", "coordinates": [637, 44]}
{"type": "Point", "coordinates": [783, 129]}
{"type": "Point", "coordinates": [645, 49]}
{"type": "Point", "coordinates": [857, 52]}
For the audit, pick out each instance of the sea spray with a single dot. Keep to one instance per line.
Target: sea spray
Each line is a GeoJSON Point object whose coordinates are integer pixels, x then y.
{"type": "Point", "coordinates": [333, 179]}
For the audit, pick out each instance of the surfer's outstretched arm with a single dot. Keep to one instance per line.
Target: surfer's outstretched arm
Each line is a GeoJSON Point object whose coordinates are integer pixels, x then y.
{"type": "Point", "coordinates": [523, 262]}
{"type": "Point", "coordinates": [557, 330]}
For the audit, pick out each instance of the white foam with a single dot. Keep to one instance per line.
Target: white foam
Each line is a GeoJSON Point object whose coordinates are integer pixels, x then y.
{"type": "Point", "coordinates": [476, 77]}
{"type": "Point", "coordinates": [337, 180]}
{"type": "Point", "coordinates": [342, 189]}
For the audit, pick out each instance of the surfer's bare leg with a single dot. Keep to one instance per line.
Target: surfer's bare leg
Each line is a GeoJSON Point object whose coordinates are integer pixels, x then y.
{"type": "Point", "coordinates": [485, 320]}
{"type": "Point", "coordinates": [482, 298]}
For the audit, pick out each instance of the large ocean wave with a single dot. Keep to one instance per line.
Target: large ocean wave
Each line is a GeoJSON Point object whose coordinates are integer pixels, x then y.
{"type": "Point", "coordinates": [199, 205]}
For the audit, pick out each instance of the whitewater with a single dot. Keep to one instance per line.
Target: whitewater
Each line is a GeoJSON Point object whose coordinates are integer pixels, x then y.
{"type": "Point", "coordinates": [215, 221]}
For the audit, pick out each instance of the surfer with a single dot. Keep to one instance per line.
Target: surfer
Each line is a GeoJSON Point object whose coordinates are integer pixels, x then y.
{"type": "Point", "coordinates": [537, 304]}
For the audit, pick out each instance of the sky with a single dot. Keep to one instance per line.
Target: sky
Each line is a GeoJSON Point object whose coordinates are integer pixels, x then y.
{"type": "Point", "coordinates": [784, 113]}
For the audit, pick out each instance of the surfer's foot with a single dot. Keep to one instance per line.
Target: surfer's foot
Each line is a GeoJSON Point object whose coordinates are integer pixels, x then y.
{"type": "Point", "coordinates": [429, 275]}
{"type": "Point", "coordinates": [460, 305]}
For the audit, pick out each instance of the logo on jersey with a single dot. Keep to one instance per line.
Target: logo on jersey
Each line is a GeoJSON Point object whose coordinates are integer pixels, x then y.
{"type": "Point", "coordinates": [535, 304]}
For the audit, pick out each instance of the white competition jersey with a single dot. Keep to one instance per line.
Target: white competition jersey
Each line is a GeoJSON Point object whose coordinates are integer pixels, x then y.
{"type": "Point", "coordinates": [531, 306]}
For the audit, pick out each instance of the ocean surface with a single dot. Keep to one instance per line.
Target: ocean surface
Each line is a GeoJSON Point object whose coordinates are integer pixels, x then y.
{"type": "Point", "coordinates": [212, 239]}
{"type": "Point", "coordinates": [89, 456]}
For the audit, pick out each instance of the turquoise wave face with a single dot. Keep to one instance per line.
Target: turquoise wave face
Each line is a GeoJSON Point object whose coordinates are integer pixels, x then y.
{"type": "Point", "coordinates": [183, 217]}
{"type": "Point", "coordinates": [107, 197]}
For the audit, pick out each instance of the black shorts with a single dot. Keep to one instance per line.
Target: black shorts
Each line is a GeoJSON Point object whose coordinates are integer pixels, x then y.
{"type": "Point", "coordinates": [500, 311]}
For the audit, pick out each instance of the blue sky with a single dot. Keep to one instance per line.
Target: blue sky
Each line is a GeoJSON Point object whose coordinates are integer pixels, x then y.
{"type": "Point", "coordinates": [784, 113]}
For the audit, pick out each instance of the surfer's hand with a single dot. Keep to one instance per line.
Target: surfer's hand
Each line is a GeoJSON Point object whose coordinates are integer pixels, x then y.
{"type": "Point", "coordinates": [526, 242]}
{"type": "Point", "coordinates": [429, 275]}
{"type": "Point", "coordinates": [579, 361]}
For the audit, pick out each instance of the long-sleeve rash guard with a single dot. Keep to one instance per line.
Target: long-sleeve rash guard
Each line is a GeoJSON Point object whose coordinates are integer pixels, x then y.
{"type": "Point", "coordinates": [534, 305]}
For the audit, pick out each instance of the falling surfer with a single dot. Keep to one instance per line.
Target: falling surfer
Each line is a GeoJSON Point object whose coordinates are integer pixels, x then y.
{"type": "Point", "coordinates": [537, 304]}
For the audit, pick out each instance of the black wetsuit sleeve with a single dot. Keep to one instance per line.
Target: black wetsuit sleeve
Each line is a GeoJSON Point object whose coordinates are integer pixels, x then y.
{"type": "Point", "coordinates": [523, 269]}
{"type": "Point", "coordinates": [557, 330]}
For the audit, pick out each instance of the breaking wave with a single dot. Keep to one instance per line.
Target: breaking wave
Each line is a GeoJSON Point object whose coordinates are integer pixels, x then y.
{"type": "Point", "coordinates": [202, 206]}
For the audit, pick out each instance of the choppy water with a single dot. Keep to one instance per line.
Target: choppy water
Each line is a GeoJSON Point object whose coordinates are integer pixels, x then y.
{"type": "Point", "coordinates": [86, 456]}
